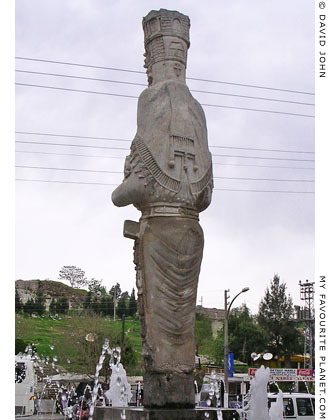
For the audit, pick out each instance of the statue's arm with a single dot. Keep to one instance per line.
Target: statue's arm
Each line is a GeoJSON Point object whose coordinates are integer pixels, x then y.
{"type": "Point", "coordinates": [131, 190]}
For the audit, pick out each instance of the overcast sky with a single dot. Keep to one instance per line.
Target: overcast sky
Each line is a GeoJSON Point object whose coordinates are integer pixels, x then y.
{"type": "Point", "coordinates": [249, 236]}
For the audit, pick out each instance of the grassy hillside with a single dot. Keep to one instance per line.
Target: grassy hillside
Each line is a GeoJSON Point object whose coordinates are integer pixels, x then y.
{"type": "Point", "coordinates": [65, 339]}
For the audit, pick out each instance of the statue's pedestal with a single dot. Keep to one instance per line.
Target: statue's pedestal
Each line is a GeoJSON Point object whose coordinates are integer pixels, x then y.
{"type": "Point", "coordinates": [140, 413]}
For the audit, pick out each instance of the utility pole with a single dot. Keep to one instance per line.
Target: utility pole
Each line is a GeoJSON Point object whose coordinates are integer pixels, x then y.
{"type": "Point", "coordinates": [244, 349]}
{"type": "Point", "coordinates": [122, 340]}
{"type": "Point", "coordinates": [225, 363]}
{"type": "Point", "coordinates": [307, 295]}
{"type": "Point", "coordinates": [225, 328]}
{"type": "Point", "coordinates": [114, 306]}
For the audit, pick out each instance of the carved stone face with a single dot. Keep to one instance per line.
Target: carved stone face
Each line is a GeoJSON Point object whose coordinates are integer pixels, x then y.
{"type": "Point", "coordinates": [147, 66]}
{"type": "Point", "coordinates": [128, 166]}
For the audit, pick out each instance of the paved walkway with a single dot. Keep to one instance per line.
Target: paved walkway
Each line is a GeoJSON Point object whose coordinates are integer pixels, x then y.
{"type": "Point", "coordinates": [44, 416]}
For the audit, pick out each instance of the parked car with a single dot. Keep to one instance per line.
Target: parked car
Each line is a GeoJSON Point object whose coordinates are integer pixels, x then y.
{"type": "Point", "coordinates": [296, 406]}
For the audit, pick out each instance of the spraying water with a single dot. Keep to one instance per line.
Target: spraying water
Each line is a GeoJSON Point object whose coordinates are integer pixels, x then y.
{"type": "Point", "coordinates": [119, 392]}
{"type": "Point", "coordinates": [257, 407]}
{"type": "Point", "coordinates": [276, 409]}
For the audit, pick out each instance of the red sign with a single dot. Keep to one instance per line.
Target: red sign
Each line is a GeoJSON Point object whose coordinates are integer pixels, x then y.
{"type": "Point", "coordinates": [304, 372]}
{"type": "Point", "coordinates": [282, 375]}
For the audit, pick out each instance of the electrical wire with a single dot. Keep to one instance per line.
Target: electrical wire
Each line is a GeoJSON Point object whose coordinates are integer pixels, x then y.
{"type": "Point", "coordinates": [136, 97]}
{"type": "Point", "coordinates": [121, 172]}
{"type": "Point", "coordinates": [122, 148]}
{"type": "Point", "coordinates": [126, 140]}
{"type": "Point", "coordinates": [71, 136]}
{"type": "Point", "coordinates": [215, 189]}
{"type": "Point", "coordinates": [69, 154]}
{"type": "Point", "coordinates": [122, 158]}
{"type": "Point", "coordinates": [71, 145]}
{"type": "Point", "coordinates": [68, 169]}
{"type": "Point", "coordinates": [143, 72]}
{"type": "Point", "coordinates": [145, 85]}
{"type": "Point", "coordinates": [65, 182]}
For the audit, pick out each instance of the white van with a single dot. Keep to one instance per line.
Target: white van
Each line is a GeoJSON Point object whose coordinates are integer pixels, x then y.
{"type": "Point", "coordinates": [25, 382]}
{"type": "Point", "coordinates": [297, 406]}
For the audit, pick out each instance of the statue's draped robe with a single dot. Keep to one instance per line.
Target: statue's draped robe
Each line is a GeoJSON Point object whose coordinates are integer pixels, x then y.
{"type": "Point", "coordinates": [168, 176]}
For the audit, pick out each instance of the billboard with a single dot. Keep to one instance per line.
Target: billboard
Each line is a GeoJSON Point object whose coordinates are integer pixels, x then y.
{"type": "Point", "coordinates": [287, 375]}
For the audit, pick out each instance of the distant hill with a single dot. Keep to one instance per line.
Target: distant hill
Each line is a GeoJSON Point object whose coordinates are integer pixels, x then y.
{"type": "Point", "coordinates": [50, 289]}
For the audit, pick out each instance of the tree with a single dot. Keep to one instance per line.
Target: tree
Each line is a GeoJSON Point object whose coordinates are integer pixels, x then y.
{"type": "Point", "coordinates": [122, 306]}
{"type": "Point", "coordinates": [203, 333]}
{"type": "Point", "coordinates": [39, 304]}
{"type": "Point", "coordinates": [95, 287]}
{"type": "Point", "coordinates": [88, 302]}
{"type": "Point", "coordinates": [275, 316]}
{"type": "Point", "coordinates": [28, 307]}
{"type": "Point", "coordinates": [245, 335]}
{"type": "Point", "coordinates": [95, 305]}
{"type": "Point", "coordinates": [106, 305]}
{"type": "Point", "coordinates": [18, 302]}
{"type": "Point", "coordinates": [132, 304]}
{"type": "Point", "coordinates": [115, 291]}
{"type": "Point", "coordinates": [62, 305]}
{"type": "Point", "coordinates": [21, 345]}
{"type": "Point", "coordinates": [74, 275]}
{"type": "Point", "coordinates": [52, 306]}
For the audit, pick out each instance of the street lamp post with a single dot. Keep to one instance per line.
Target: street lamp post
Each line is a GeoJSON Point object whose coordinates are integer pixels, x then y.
{"type": "Point", "coordinates": [227, 310]}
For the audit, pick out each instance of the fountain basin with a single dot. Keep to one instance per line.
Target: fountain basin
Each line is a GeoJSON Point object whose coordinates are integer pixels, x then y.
{"type": "Point", "coordinates": [141, 413]}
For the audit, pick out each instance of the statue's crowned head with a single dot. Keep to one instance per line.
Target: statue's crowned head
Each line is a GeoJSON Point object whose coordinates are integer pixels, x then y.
{"type": "Point", "coordinates": [166, 41]}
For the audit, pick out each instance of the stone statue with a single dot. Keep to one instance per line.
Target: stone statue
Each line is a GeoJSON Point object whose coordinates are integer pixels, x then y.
{"type": "Point", "coordinates": [168, 177]}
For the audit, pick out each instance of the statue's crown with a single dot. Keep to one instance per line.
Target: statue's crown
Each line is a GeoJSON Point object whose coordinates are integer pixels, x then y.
{"type": "Point", "coordinates": [160, 28]}
{"type": "Point", "coordinates": [166, 22]}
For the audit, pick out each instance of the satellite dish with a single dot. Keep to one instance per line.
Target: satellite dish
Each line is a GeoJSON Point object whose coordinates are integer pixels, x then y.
{"type": "Point", "coordinates": [267, 356]}
{"type": "Point", "coordinates": [90, 337]}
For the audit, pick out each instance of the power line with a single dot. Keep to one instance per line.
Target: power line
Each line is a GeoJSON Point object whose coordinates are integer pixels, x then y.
{"type": "Point", "coordinates": [79, 65]}
{"type": "Point", "coordinates": [77, 90]}
{"type": "Point", "coordinates": [145, 85]}
{"type": "Point", "coordinates": [72, 145]}
{"type": "Point", "coordinates": [252, 86]}
{"type": "Point", "coordinates": [267, 158]}
{"type": "Point", "coordinates": [216, 189]}
{"type": "Point", "coordinates": [69, 169]}
{"type": "Point", "coordinates": [71, 136]}
{"type": "Point", "coordinates": [122, 148]}
{"type": "Point", "coordinates": [81, 77]}
{"type": "Point", "coordinates": [69, 154]}
{"type": "Point", "coordinates": [262, 166]}
{"type": "Point", "coordinates": [266, 191]}
{"type": "Point", "coordinates": [142, 72]}
{"type": "Point", "coordinates": [259, 110]}
{"type": "Point", "coordinates": [136, 97]}
{"type": "Point", "coordinates": [264, 179]}
{"type": "Point", "coordinates": [122, 158]}
{"type": "Point", "coordinates": [126, 140]}
{"type": "Point", "coordinates": [121, 173]}
{"type": "Point", "coordinates": [65, 182]}
{"type": "Point", "coordinates": [262, 150]}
